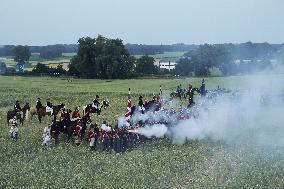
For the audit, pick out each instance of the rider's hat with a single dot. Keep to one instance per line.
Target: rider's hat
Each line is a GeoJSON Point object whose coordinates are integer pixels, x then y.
{"type": "Point", "coordinates": [97, 96]}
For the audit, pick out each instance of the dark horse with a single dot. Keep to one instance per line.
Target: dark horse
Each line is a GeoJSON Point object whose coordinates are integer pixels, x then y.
{"type": "Point", "coordinates": [42, 112]}
{"type": "Point", "coordinates": [69, 130]}
{"type": "Point", "coordinates": [20, 115]}
{"type": "Point", "coordinates": [90, 109]}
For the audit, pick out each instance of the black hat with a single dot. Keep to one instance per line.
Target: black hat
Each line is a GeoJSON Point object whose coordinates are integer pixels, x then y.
{"type": "Point", "coordinates": [140, 97]}
{"type": "Point", "coordinates": [97, 96]}
{"type": "Point", "coordinates": [38, 98]}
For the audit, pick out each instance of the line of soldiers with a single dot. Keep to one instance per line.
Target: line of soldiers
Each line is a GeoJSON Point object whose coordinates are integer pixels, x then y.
{"type": "Point", "coordinates": [109, 139]}
{"type": "Point", "coordinates": [117, 139]}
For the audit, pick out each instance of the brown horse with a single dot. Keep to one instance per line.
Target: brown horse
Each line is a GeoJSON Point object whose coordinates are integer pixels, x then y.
{"type": "Point", "coordinates": [89, 109]}
{"type": "Point", "coordinates": [71, 127]}
{"type": "Point", "coordinates": [19, 115]}
{"type": "Point", "coordinates": [42, 112]}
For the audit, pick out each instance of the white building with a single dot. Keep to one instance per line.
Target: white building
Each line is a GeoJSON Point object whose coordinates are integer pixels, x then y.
{"type": "Point", "coordinates": [167, 65]}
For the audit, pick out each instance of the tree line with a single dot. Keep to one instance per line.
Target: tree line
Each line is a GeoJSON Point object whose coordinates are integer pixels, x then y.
{"type": "Point", "coordinates": [229, 59]}
{"type": "Point", "coordinates": [105, 58]}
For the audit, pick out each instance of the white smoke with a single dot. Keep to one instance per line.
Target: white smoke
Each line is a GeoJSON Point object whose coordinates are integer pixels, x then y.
{"type": "Point", "coordinates": [157, 130]}
{"type": "Point", "coordinates": [122, 122]}
{"type": "Point", "coordinates": [253, 114]}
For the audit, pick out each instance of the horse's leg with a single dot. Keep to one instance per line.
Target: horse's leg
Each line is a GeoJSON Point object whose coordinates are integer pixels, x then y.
{"type": "Point", "coordinates": [39, 118]}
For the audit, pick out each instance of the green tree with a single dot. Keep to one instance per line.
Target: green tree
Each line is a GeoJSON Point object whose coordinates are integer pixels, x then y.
{"type": "Point", "coordinates": [41, 68]}
{"type": "Point", "coordinates": [208, 56]}
{"type": "Point", "coordinates": [145, 65]}
{"type": "Point", "coordinates": [22, 54]}
{"type": "Point", "coordinates": [102, 58]}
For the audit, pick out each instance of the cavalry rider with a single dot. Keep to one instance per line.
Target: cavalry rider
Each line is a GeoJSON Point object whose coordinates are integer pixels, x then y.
{"type": "Point", "coordinates": [49, 107]}
{"type": "Point", "coordinates": [96, 102]}
{"type": "Point", "coordinates": [76, 115]}
{"type": "Point", "coordinates": [62, 114]}
{"type": "Point", "coordinates": [190, 94]}
{"type": "Point", "coordinates": [38, 105]}
{"type": "Point", "coordinates": [202, 89]}
{"type": "Point", "coordinates": [141, 105]}
{"type": "Point", "coordinates": [17, 107]}
{"type": "Point", "coordinates": [14, 121]}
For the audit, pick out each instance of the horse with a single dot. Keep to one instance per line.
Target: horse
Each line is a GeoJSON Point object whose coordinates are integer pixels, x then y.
{"type": "Point", "coordinates": [90, 109]}
{"type": "Point", "coordinates": [19, 115]}
{"type": "Point", "coordinates": [42, 111]}
{"type": "Point", "coordinates": [72, 125]}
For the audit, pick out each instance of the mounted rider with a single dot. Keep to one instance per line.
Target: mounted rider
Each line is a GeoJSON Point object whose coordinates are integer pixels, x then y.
{"type": "Point", "coordinates": [14, 121]}
{"type": "Point", "coordinates": [49, 107]}
{"type": "Point", "coordinates": [190, 94]}
{"type": "Point", "coordinates": [38, 105]}
{"type": "Point", "coordinates": [62, 114]}
{"type": "Point", "coordinates": [203, 89]}
{"type": "Point", "coordinates": [18, 109]}
{"type": "Point", "coordinates": [96, 102]}
{"type": "Point", "coordinates": [76, 115]}
{"type": "Point", "coordinates": [141, 105]}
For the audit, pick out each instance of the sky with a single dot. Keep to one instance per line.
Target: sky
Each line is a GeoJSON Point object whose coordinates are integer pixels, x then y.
{"type": "Point", "coordinates": [42, 22]}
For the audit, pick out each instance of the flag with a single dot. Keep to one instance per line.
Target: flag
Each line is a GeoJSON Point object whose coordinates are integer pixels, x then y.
{"type": "Point", "coordinates": [161, 98]}
{"type": "Point", "coordinates": [128, 113]}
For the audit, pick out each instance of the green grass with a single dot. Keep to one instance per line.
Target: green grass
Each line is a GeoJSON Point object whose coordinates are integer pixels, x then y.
{"type": "Point", "coordinates": [156, 164]}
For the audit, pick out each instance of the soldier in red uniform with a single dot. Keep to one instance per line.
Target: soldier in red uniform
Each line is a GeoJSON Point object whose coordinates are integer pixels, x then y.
{"type": "Point", "coordinates": [62, 114]}
{"type": "Point", "coordinates": [78, 132]}
{"type": "Point", "coordinates": [78, 129]}
{"type": "Point", "coordinates": [54, 131]}
{"type": "Point", "coordinates": [75, 115]}
{"type": "Point", "coordinates": [91, 137]}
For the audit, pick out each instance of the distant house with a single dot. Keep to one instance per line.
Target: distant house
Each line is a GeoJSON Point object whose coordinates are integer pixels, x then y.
{"type": "Point", "coordinates": [3, 68]}
{"type": "Point", "coordinates": [167, 65]}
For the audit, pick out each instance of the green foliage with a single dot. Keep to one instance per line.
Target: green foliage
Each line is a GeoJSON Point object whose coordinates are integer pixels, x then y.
{"type": "Point", "coordinates": [10, 70]}
{"type": "Point", "coordinates": [51, 52]}
{"type": "Point", "coordinates": [145, 65]}
{"type": "Point", "coordinates": [44, 69]}
{"type": "Point", "coordinates": [102, 58]}
{"type": "Point", "coordinates": [21, 54]}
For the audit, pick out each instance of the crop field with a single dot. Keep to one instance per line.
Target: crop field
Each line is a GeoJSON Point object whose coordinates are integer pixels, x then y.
{"type": "Point", "coordinates": [155, 164]}
{"type": "Point", "coordinates": [35, 59]}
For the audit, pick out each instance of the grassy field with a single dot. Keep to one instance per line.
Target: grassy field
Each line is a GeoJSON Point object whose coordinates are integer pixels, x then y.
{"type": "Point", "coordinates": [156, 164]}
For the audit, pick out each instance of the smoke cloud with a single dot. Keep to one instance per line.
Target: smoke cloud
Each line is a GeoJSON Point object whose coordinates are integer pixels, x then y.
{"type": "Point", "coordinates": [157, 130]}
{"type": "Point", "coordinates": [253, 114]}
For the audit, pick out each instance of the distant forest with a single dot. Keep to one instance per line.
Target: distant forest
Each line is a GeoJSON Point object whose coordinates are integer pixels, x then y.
{"type": "Point", "coordinates": [111, 59]}
{"type": "Point", "coordinates": [246, 50]}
